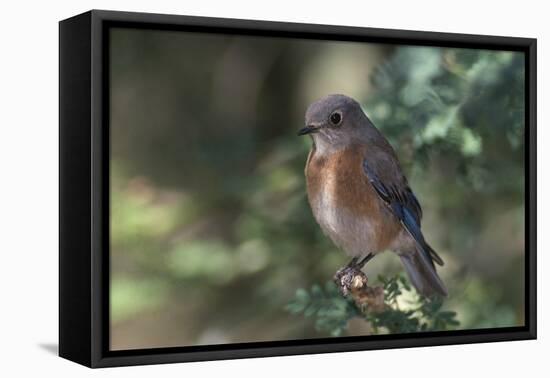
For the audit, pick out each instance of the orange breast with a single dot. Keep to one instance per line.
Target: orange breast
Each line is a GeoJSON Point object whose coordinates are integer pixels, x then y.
{"type": "Point", "coordinates": [345, 204]}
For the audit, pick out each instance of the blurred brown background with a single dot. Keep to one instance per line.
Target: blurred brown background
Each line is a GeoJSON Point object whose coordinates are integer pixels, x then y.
{"type": "Point", "coordinates": [211, 233]}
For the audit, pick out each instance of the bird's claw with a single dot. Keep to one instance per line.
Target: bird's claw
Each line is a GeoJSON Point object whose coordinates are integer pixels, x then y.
{"type": "Point", "coordinates": [348, 278]}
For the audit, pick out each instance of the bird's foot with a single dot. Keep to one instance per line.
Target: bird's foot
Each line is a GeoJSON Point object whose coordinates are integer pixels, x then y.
{"type": "Point", "coordinates": [350, 277]}
{"type": "Point", "coordinates": [352, 283]}
{"type": "Point", "coordinates": [351, 274]}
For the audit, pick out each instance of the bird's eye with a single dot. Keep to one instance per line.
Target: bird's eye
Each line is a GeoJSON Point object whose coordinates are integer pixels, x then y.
{"type": "Point", "coordinates": [335, 118]}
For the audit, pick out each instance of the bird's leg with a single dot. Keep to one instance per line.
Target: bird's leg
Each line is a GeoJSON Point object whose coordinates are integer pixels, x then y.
{"type": "Point", "coordinates": [353, 262]}
{"type": "Point", "coordinates": [365, 260]}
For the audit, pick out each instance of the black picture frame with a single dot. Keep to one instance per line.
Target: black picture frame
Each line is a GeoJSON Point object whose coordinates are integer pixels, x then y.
{"type": "Point", "coordinates": [84, 189]}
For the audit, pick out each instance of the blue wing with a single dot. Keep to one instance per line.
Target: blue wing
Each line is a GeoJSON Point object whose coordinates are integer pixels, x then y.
{"type": "Point", "coordinates": [405, 206]}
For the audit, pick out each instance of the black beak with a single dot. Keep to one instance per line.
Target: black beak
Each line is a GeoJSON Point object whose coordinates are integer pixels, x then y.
{"type": "Point", "coordinates": [307, 130]}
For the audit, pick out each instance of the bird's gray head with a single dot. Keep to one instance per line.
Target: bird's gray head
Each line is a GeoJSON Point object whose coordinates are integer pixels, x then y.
{"type": "Point", "coordinates": [336, 121]}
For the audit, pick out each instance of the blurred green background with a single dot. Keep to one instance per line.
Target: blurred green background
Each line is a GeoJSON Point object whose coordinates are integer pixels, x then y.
{"type": "Point", "coordinates": [211, 232]}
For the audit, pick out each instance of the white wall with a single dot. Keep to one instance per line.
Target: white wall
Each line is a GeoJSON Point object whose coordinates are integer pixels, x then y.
{"type": "Point", "coordinates": [28, 172]}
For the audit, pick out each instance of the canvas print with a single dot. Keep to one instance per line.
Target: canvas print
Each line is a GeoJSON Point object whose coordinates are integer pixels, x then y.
{"type": "Point", "coordinates": [271, 189]}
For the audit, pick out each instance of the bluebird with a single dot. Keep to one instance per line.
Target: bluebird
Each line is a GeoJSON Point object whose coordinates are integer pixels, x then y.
{"type": "Point", "coordinates": [359, 195]}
